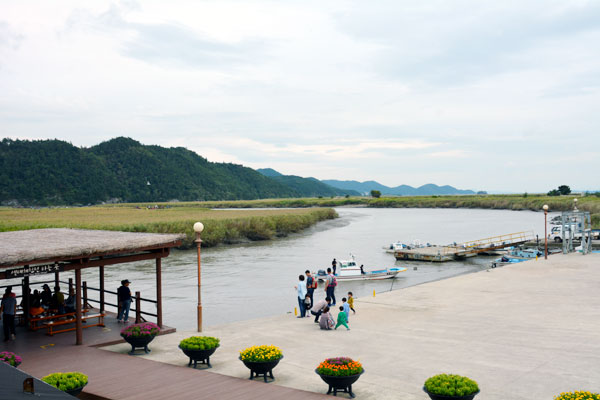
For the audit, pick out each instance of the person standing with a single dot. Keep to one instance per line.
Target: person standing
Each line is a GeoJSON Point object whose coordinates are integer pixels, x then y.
{"type": "Point", "coordinates": [311, 285]}
{"type": "Point", "coordinates": [330, 285]}
{"type": "Point", "coordinates": [124, 295]}
{"type": "Point", "coordinates": [301, 287]}
{"type": "Point", "coordinates": [334, 266]}
{"type": "Point", "coordinates": [46, 296]}
{"type": "Point", "coordinates": [8, 310]}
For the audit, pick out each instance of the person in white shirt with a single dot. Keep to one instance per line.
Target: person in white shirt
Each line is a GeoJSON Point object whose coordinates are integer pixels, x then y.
{"type": "Point", "coordinates": [301, 287]}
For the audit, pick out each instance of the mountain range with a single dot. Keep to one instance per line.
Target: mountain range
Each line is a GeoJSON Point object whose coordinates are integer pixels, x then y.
{"type": "Point", "coordinates": [429, 189]}
{"type": "Point", "coordinates": [54, 172]}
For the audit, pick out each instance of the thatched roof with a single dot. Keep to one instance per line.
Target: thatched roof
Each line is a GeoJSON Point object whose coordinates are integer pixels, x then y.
{"type": "Point", "coordinates": [20, 247]}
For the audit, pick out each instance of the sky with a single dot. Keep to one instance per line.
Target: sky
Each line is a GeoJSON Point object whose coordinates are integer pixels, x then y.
{"type": "Point", "coordinates": [482, 95]}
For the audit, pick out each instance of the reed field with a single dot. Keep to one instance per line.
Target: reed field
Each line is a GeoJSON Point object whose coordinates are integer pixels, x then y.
{"type": "Point", "coordinates": [532, 202]}
{"type": "Point", "coordinates": [236, 221]}
{"type": "Point", "coordinates": [221, 226]}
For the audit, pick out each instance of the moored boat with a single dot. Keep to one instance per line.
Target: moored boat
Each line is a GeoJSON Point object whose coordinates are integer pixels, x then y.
{"type": "Point", "coordinates": [350, 271]}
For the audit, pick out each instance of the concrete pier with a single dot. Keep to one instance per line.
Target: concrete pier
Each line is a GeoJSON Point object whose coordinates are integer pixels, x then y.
{"type": "Point", "coordinates": [524, 331]}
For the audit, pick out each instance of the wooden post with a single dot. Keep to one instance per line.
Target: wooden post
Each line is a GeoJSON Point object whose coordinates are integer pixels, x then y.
{"type": "Point", "coordinates": [78, 327]}
{"type": "Point", "coordinates": [158, 292]}
{"type": "Point", "coordinates": [102, 289]}
{"type": "Point", "coordinates": [26, 300]}
{"type": "Point", "coordinates": [138, 308]}
{"type": "Point", "coordinates": [85, 296]}
{"type": "Point", "coordinates": [56, 279]}
{"type": "Point", "coordinates": [70, 284]}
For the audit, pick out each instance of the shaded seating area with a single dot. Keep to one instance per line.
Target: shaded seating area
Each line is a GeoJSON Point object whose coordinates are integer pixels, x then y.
{"type": "Point", "coordinates": [26, 255]}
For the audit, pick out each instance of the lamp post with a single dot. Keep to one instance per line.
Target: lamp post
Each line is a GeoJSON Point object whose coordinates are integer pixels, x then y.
{"type": "Point", "coordinates": [545, 232]}
{"type": "Point", "coordinates": [198, 228]}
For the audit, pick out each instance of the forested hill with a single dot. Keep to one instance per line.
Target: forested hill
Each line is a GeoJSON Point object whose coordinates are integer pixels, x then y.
{"type": "Point", "coordinates": [54, 172]}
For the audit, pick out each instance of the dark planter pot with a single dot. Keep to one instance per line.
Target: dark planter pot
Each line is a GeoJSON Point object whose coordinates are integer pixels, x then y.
{"type": "Point", "coordinates": [434, 396]}
{"type": "Point", "coordinates": [75, 392]}
{"type": "Point", "coordinates": [341, 384]}
{"type": "Point", "coordinates": [139, 342]}
{"type": "Point", "coordinates": [199, 356]}
{"type": "Point", "coordinates": [261, 368]}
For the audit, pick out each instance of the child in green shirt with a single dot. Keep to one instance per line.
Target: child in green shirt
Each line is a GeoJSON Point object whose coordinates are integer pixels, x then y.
{"type": "Point", "coordinates": [342, 318]}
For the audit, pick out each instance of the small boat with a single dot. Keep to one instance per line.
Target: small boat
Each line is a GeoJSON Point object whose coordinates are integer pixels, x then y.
{"type": "Point", "coordinates": [350, 271]}
{"type": "Point", "coordinates": [416, 244]}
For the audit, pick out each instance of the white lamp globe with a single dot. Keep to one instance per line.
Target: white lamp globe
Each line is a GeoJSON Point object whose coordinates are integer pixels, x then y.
{"type": "Point", "coordinates": [545, 207]}
{"type": "Point", "coordinates": [198, 227]}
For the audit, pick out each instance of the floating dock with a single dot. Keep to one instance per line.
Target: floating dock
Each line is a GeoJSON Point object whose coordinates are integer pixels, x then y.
{"type": "Point", "coordinates": [456, 251]}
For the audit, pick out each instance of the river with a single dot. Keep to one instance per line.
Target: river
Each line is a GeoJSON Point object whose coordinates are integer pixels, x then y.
{"type": "Point", "coordinates": [257, 279]}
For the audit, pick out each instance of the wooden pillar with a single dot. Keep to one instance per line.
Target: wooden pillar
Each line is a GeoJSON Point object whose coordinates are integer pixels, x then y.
{"type": "Point", "coordinates": [101, 289]}
{"type": "Point", "coordinates": [78, 327]}
{"type": "Point", "coordinates": [85, 296]}
{"type": "Point", "coordinates": [56, 280]}
{"type": "Point", "coordinates": [70, 285]}
{"type": "Point", "coordinates": [138, 308]}
{"type": "Point", "coordinates": [26, 300]}
{"type": "Point", "coordinates": [159, 292]}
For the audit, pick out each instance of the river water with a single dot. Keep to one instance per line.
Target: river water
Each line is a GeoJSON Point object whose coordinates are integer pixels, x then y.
{"type": "Point", "coordinates": [257, 279]}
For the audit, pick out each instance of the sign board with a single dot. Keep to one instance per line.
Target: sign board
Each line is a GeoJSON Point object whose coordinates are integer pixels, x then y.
{"type": "Point", "coordinates": [29, 270]}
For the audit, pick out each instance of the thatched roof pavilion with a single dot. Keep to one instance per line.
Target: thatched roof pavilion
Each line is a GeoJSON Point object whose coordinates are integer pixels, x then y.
{"type": "Point", "coordinates": [44, 251]}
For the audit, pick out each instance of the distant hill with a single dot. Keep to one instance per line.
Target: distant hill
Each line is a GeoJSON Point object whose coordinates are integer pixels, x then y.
{"type": "Point", "coordinates": [270, 172]}
{"type": "Point", "coordinates": [54, 172]}
{"type": "Point", "coordinates": [402, 190]}
{"type": "Point", "coordinates": [308, 187]}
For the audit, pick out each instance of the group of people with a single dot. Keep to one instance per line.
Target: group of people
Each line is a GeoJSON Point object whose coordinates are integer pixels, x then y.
{"type": "Point", "coordinates": [48, 301]}
{"type": "Point", "coordinates": [322, 309]}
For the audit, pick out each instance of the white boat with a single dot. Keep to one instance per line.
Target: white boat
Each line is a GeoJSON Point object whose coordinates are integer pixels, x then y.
{"type": "Point", "coordinates": [416, 244]}
{"type": "Point", "coordinates": [350, 271]}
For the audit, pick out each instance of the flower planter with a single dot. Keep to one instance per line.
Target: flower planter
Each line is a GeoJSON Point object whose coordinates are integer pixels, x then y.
{"type": "Point", "coordinates": [139, 342]}
{"type": "Point", "coordinates": [261, 368]}
{"type": "Point", "coordinates": [75, 392]}
{"type": "Point", "coordinates": [341, 384]}
{"type": "Point", "coordinates": [201, 356]}
{"type": "Point", "coordinates": [434, 396]}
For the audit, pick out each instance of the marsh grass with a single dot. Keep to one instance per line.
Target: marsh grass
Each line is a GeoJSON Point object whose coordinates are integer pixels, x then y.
{"type": "Point", "coordinates": [221, 226]}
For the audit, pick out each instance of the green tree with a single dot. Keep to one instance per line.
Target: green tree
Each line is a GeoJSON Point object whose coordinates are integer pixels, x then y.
{"type": "Point", "coordinates": [564, 189]}
{"type": "Point", "coordinates": [554, 192]}
{"type": "Point", "coordinates": [375, 193]}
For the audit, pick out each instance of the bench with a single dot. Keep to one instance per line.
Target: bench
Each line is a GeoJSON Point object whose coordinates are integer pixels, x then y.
{"type": "Point", "coordinates": [50, 325]}
{"type": "Point", "coordinates": [33, 321]}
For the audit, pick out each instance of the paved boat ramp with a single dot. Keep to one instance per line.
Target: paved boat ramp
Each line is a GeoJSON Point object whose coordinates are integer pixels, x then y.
{"type": "Point", "coordinates": [462, 250]}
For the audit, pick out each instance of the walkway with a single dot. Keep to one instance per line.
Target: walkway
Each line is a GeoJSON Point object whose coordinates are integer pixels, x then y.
{"type": "Point", "coordinates": [525, 331]}
{"type": "Point", "coordinates": [120, 376]}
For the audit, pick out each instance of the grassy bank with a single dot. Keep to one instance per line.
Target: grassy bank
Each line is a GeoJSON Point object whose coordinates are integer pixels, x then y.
{"type": "Point", "coordinates": [505, 202]}
{"type": "Point", "coordinates": [221, 226]}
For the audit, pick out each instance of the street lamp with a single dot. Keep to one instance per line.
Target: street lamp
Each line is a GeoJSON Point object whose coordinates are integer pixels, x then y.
{"type": "Point", "coordinates": [198, 228]}
{"type": "Point", "coordinates": [545, 232]}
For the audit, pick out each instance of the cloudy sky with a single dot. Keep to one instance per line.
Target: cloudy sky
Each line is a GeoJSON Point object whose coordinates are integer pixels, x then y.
{"type": "Point", "coordinates": [483, 95]}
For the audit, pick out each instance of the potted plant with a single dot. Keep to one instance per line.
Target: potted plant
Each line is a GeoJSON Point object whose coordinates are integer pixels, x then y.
{"type": "Point", "coordinates": [69, 382]}
{"type": "Point", "coordinates": [578, 395]}
{"type": "Point", "coordinates": [10, 358]}
{"type": "Point", "coordinates": [139, 335]}
{"type": "Point", "coordinates": [199, 348]}
{"type": "Point", "coordinates": [450, 387]}
{"type": "Point", "coordinates": [340, 373]}
{"type": "Point", "coordinates": [261, 360]}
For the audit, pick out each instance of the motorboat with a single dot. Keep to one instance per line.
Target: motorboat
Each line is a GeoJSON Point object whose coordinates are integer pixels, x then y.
{"type": "Point", "coordinates": [416, 244]}
{"type": "Point", "coordinates": [350, 271]}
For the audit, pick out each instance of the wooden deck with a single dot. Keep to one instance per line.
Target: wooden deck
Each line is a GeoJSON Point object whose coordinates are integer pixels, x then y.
{"type": "Point", "coordinates": [120, 376]}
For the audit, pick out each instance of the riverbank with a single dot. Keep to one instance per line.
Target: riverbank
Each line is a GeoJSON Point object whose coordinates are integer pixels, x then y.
{"type": "Point", "coordinates": [521, 202]}
{"type": "Point", "coordinates": [525, 331]}
{"type": "Point", "coordinates": [221, 226]}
